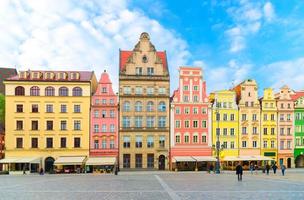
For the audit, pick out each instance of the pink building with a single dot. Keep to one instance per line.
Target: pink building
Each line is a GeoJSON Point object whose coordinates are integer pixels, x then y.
{"type": "Point", "coordinates": [104, 120]}
{"type": "Point", "coordinates": [190, 132]}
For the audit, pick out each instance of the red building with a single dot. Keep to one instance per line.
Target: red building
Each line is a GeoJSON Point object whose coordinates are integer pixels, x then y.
{"type": "Point", "coordinates": [190, 131]}
{"type": "Point", "coordinates": [104, 122]}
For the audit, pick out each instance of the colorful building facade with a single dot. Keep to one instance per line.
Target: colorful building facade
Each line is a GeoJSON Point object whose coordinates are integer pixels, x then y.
{"type": "Point", "coordinates": [285, 125]}
{"type": "Point", "coordinates": [47, 119]}
{"type": "Point", "coordinates": [225, 125]}
{"type": "Point", "coordinates": [190, 125]}
{"type": "Point", "coordinates": [144, 95]}
{"type": "Point", "coordinates": [269, 125]}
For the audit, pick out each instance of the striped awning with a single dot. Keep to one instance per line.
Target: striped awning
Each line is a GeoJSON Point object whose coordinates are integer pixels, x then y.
{"type": "Point", "coordinates": [34, 160]}
{"type": "Point", "coordinates": [101, 161]}
{"type": "Point", "coordinates": [70, 160]}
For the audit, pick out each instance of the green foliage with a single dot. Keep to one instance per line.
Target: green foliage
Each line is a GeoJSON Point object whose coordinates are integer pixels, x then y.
{"type": "Point", "coordinates": [2, 109]}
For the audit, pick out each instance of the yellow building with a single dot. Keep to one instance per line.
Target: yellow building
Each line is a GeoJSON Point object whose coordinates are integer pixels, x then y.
{"type": "Point", "coordinates": [269, 125]}
{"type": "Point", "coordinates": [47, 119]}
{"type": "Point", "coordinates": [225, 119]}
{"type": "Point", "coordinates": [144, 88]}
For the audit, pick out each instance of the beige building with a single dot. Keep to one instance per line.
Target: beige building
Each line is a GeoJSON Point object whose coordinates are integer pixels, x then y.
{"type": "Point", "coordinates": [144, 89]}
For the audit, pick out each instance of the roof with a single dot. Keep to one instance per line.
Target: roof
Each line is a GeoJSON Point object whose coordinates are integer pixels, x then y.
{"type": "Point", "coordinates": [4, 74]}
{"type": "Point", "coordinates": [297, 95]}
{"type": "Point", "coordinates": [124, 55]}
{"type": "Point", "coordinates": [104, 78]}
{"type": "Point", "coordinates": [84, 76]}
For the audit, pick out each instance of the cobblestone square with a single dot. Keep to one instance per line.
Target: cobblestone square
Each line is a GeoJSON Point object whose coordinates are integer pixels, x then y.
{"type": "Point", "coordinates": [154, 185]}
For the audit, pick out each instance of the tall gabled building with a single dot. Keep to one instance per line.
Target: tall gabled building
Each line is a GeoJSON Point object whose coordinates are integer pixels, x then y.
{"type": "Point", "coordinates": [144, 88]}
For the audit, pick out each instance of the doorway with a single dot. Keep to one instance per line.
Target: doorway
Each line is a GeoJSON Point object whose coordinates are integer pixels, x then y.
{"type": "Point", "coordinates": [49, 164]}
{"type": "Point", "coordinates": [161, 162]}
{"type": "Point", "coordinates": [288, 162]}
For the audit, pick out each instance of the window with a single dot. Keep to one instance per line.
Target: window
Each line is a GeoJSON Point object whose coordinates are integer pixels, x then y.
{"type": "Point", "coordinates": [96, 113]}
{"type": "Point", "coordinates": [162, 141]}
{"type": "Point", "coordinates": [96, 128]}
{"type": "Point", "coordinates": [150, 90]}
{"type": "Point", "coordinates": [150, 141]}
{"type": "Point", "coordinates": [177, 124]}
{"type": "Point", "coordinates": [265, 117]}
{"type": "Point", "coordinates": [104, 90]}
{"type": "Point", "coordinates": [19, 125]}
{"type": "Point", "coordinates": [272, 117]}
{"type": "Point", "coordinates": [254, 117]}
{"type": "Point", "coordinates": [186, 87]}
{"type": "Point", "coordinates": [63, 108]}
{"type": "Point", "coordinates": [186, 98]}
{"type": "Point", "coordinates": [195, 139]}
{"type": "Point", "coordinates": [19, 143]}
{"type": "Point", "coordinates": [186, 138]}
{"type": "Point", "coordinates": [161, 90]}
{"type": "Point", "coordinates": [224, 131]}
{"type": "Point", "coordinates": [225, 118]}
{"type": "Point", "coordinates": [138, 142]}
{"type": "Point", "coordinates": [77, 126]}
{"type": "Point", "coordinates": [112, 113]}
{"type": "Point", "coordinates": [112, 128]}
{"type": "Point", "coordinates": [232, 145]}
{"type": "Point", "coordinates": [265, 144]}
{"type": "Point", "coordinates": [49, 142]}
{"type": "Point", "coordinates": [244, 130]}
{"type": "Point", "coordinates": [34, 143]}
{"type": "Point", "coordinates": [126, 141]}
{"type": "Point", "coordinates": [204, 138]}
{"type": "Point", "coordinates": [186, 110]}
{"type": "Point", "coordinates": [104, 128]}
{"type": "Point", "coordinates": [244, 144]}
{"type": "Point", "coordinates": [162, 122]}
{"type": "Point", "coordinates": [126, 106]}
{"type": "Point", "coordinates": [254, 144]}
{"type": "Point", "coordinates": [298, 116]}
{"type": "Point", "coordinates": [231, 117]}
{"type": "Point", "coordinates": [138, 70]}
{"type": "Point", "coordinates": [195, 88]}
{"type": "Point", "coordinates": [138, 121]}
{"type": "Point", "coordinates": [63, 142]}
{"type": "Point", "coordinates": [111, 101]}
{"type": "Point", "coordinates": [162, 106]}
{"type": "Point", "coordinates": [281, 117]}
{"type": "Point", "coordinates": [19, 91]}
{"type": "Point", "coordinates": [49, 91]}
{"type": "Point", "coordinates": [231, 131]}
{"type": "Point", "coordinates": [288, 117]}
{"type": "Point", "coordinates": [150, 160]}
{"type": "Point", "coordinates": [218, 131]}
{"type": "Point", "coordinates": [103, 113]}
{"type": "Point", "coordinates": [35, 125]}
{"type": "Point", "coordinates": [35, 91]}
{"type": "Point", "coordinates": [187, 123]}
{"type": "Point", "coordinates": [103, 143]}
{"type": "Point", "coordinates": [138, 160]}
{"type": "Point", "coordinates": [177, 110]}
{"type": "Point", "coordinates": [272, 144]}
{"type": "Point", "coordinates": [49, 125]}
{"type": "Point", "coordinates": [272, 131]}
{"type": "Point", "coordinates": [19, 108]}
{"type": "Point", "coordinates": [204, 111]}
{"type": "Point", "coordinates": [265, 131]}
{"type": "Point", "coordinates": [150, 71]}
{"type": "Point", "coordinates": [150, 122]}
{"type": "Point", "coordinates": [288, 131]}
{"type": "Point", "coordinates": [195, 111]}
{"type": "Point", "coordinates": [96, 144]}
{"type": "Point", "coordinates": [195, 124]}
{"type": "Point", "coordinates": [218, 116]}
{"type": "Point", "coordinates": [126, 160]}
{"type": "Point", "coordinates": [195, 98]}
{"type": "Point", "coordinates": [177, 139]}
{"type": "Point", "coordinates": [243, 117]}
{"type": "Point", "coordinates": [63, 91]}
{"type": "Point", "coordinates": [49, 108]}
{"type": "Point", "coordinates": [127, 90]}
{"type": "Point", "coordinates": [138, 106]}
{"type": "Point", "coordinates": [281, 131]}
{"type": "Point", "coordinates": [104, 101]}
{"type": "Point", "coordinates": [288, 144]}
{"type": "Point", "coordinates": [254, 130]}
{"type": "Point", "coordinates": [125, 122]}
{"type": "Point", "coordinates": [225, 145]}
{"type": "Point", "coordinates": [77, 91]}
{"type": "Point", "coordinates": [112, 144]}
{"type": "Point", "coordinates": [76, 142]}
{"type": "Point", "coordinates": [76, 108]}
{"type": "Point", "coordinates": [282, 144]}
{"type": "Point", "coordinates": [34, 108]}
{"type": "Point", "coordinates": [138, 90]}
{"type": "Point", "coordinates": [150, 106]}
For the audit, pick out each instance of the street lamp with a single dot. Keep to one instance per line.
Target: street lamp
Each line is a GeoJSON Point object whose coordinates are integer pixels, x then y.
{"type": "Point", "coordinates": [218, 146]}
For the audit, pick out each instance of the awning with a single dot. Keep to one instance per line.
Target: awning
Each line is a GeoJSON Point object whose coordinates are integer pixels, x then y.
{"type": "Point", "coordinates": [204, 158]}
{"type": "Point", "coordinates": [263, 158]}
{"type": "Point", "coordinates": [70, 160]}
{"type": "Point", "coordinates": [35, 160]}
{"type": "Point", "coordinates": [246, 158]}
{"type": "Point", "coordinates": [101, 161]}
{"type": "Point", "coordinates": [183, 159]}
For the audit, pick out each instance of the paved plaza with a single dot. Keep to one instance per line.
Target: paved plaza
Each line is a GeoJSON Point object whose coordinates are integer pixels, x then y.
{"type": "Point", "coordinates": [154, 185]}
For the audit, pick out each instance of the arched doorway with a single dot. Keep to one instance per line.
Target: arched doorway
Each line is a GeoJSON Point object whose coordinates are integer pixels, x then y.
{"type": "Point", "coordinates": [49, 164]}
{"type": "Point", "coordinates": [161, 162]}
{"type": "Point", "coordinates": [288, 162]}
{"type": "Point", "coordinates": [300, 161]}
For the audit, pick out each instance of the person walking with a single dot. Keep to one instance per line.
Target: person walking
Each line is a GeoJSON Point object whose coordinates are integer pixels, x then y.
{"type": "Point", "coordinates": [239, 171]}
{"type": "Point", "coordinates": [256, 169]}
{"type": "Point", "coordinates": [267, 169]}
{"type": "Point", "coordinates": [274, 167]}
{"type": "Point", "coordinates": [283, 168]}
{"type": "Point", "coordinates": [251, 168]}
{"type": "Point", "coordinates": [211, 168]}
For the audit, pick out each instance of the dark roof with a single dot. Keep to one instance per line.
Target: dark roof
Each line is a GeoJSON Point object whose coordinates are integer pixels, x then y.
{"type": "Point", "coordinates": [4, 74]}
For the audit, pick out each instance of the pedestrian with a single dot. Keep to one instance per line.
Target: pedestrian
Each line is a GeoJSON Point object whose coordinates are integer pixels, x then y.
{"type": "Point", "coordinates": [24, 170]}
{"type": "Point", "coordinates": [274, 167]}
{"type": "Point", "coordinates": [251, 168]}
{"type": "Point", "coordinates": [283, 168]}
{"type": "Point", "coordinates": [116, 170]}
{"type": "Point", "coordinates": [267, 169]}
{"type": "Point", "coordinates": [211, 168]}
{"type": "Point", "coordinates": [41, 171]}
{"type": "Point", "coordinates": [239, 171]}
{"type": "Point", "coordinates": [256, 169]}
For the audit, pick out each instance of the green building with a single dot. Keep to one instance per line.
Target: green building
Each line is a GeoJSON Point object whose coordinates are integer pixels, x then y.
{"type": "Point", "coordinates": [298, 98]}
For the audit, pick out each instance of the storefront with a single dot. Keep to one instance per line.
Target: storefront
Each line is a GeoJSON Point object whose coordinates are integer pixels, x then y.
{"type": "Point", "coordinates": [192, 163]}
{"type": "Point", "coordinates": [101, 164]}
{"type": "Point", "coordinates": [70, 164]}
{"type": "Point", "coordinates": [21, 165]}
{"type": "Point", "coordinates": [230, 162]}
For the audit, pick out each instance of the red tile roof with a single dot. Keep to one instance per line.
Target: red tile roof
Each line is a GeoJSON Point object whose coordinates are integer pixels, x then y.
{"type": "Point", "coordinates": [124, 55]}
{"type": "Point", "coordinates": [297, 95]}
{"type": "Point", "coordinates": [84, 76]}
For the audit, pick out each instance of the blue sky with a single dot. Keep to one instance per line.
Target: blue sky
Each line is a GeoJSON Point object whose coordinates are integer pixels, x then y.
{"type": "Point", "coordinates": [231, 40]}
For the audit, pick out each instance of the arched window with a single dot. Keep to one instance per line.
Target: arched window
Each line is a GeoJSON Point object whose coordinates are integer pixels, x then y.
{"type": "Point", "coordinates": [126, 106]}
{"type": "Point", "coordinates": [19, 91]}
{"type": "Point", "coordinates": [77, 91]}
{"type": "Point", "coordinates": [177, 138]}
{"type": "Point", "coordinates": [150, 106]}
{"type": "Point", "coordinates": [35, 91]}
{"type": "Point", "coordinates": [186, 138]}
{"type": "Point", "coordinates": [162, 106]}
{"type": "Point", "coordinates": [49, 91]}
{"type": "Point", "coordinates": [63, 91]}
{"type": "Point", "coordinates": [138, 106]}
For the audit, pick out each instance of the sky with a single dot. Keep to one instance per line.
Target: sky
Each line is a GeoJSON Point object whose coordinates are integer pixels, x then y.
{"type": "Point", "coordinates": [231, 40]}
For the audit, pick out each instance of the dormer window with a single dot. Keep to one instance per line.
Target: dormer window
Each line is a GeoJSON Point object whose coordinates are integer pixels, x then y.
{"type": "Point", "coordinates": [48, 75]}
{"type": "Point", "coordinates": [61, 75]}
{"type": "Point", "coordinates": [138, 70]}
{"type": "Point", "coordinates": [104, 90]}
{"type": "Point", "coordinates": [74, 75]}
{"type": "Point", "coordinates": [150, 71]}
{"type": "Point", "coordinates": [144, 59]}
{"type": "Point", "coordinates": [23, 75]}
{"type": "Point", "coordinates": [36, 75]}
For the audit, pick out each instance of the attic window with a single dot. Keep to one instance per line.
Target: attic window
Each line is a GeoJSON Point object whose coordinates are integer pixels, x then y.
{"type": "Point", "coordinates": [144, 59]}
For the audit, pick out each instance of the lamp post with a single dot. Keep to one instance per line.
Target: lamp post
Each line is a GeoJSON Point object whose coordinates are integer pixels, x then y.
{"type": "Point", "coordinates": [217, 146]}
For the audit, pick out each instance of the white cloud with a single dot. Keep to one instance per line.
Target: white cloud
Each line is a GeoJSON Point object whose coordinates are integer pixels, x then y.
{"type": "Point", "coordinates": [79, 35]}
{"type": "Point", "coordinates": [285, 72]}
{"type": "Point", "coordinates": [268, 11]}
